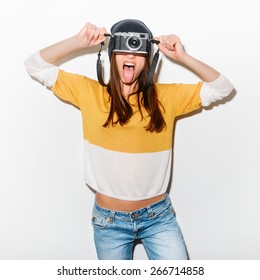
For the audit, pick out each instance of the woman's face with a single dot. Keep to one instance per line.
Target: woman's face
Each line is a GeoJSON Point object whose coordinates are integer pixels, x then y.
{"type": "Point", "coordinates": [129, 67]}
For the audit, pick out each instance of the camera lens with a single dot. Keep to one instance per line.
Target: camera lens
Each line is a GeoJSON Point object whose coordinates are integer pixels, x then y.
{"type": "Point", "coordinates": [133, 43]}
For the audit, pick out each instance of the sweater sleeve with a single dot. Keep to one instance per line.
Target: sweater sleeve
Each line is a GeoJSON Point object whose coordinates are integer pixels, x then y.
{"type": "Point", "coordinates": [215, 90]}
{"type": "Point", "coordinates": [41, 70]}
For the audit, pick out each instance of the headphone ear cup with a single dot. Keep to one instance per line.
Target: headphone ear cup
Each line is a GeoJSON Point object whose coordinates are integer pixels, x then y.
{"type": "Point", "coordinates": [111, 46]}
{"type": "Point", "coordinates": [100, 68]}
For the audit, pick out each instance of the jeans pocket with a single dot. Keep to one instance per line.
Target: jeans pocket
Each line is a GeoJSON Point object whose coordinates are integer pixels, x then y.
{"type": "Point", "coordinates": [98, 222]}
{"type": "Point", "coordinates": [100, 219]}
{"type": "Point", "coordinates": [166, 211]}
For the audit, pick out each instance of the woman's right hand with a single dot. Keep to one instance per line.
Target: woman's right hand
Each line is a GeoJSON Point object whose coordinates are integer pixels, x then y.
{"type": "Point", "coordinates": [91, 35]}
{"type": "Point", "coordinates": [88, 36]}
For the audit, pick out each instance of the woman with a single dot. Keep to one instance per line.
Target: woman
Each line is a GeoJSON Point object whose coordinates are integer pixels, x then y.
{"type": "Point", "coordinates": [128, 131]}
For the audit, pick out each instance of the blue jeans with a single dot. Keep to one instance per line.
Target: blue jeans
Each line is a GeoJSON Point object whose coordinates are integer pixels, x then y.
{"type": "Point", "coordinates": [115, 232]}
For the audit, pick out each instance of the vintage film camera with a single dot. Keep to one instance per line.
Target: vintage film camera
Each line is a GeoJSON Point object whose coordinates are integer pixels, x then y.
{"type": "Point", "coordinates": [128, 42]}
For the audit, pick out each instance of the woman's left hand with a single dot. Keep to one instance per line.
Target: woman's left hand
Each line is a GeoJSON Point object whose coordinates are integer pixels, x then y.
{"type": "Point", "coordinates": [171, 46]}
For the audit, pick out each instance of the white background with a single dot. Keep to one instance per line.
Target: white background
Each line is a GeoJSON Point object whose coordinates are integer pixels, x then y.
{"type": "Point", "coordinates": [45, 208]}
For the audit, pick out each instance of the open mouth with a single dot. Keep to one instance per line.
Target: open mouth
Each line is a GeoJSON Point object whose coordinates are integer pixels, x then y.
{"type": "Point", "coordinates": [129, 65]}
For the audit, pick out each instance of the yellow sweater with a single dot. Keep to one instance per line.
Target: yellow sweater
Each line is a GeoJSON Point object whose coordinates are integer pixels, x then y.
{"type": "Point", "coordinates": [126, 162]}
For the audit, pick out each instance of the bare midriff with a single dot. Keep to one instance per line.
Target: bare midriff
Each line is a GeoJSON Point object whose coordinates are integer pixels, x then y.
{"type": "Point", "coordinates": [125, 205]}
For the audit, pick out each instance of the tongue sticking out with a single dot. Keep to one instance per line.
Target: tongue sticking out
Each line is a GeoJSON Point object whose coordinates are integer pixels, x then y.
{"type": "Point", "coordinates": [128, 74]}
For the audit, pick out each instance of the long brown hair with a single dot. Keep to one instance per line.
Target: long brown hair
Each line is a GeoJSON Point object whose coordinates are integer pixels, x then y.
{"type": "Point", "coordinates": [121, 107]}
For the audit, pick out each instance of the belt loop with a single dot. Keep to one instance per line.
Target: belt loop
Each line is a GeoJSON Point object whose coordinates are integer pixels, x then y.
{"type": "Point", "coordinates": [150, 211]}
{"type": "Point", "coordinates": [111, 217]}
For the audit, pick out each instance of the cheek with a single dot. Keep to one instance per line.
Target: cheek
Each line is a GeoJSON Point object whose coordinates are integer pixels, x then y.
{"type": "Point", "coordinates": [119, 67]}
{"type": "Point", "coordinates": [140, 68]}
{"type": "Point", "coordinates": [141, 64]}
{"type": "Point", "coordinates": [118, 59]}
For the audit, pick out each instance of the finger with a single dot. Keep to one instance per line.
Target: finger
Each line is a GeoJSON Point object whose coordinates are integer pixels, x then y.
{"type": "Point", "coordinates": [169, 42]}
{"type": "Point", "coordinates": [96, 35]}
{"type": "Point", "coordinates": [90, 32]}
{"type": "Point", "coordinates": [99, 33]}
{"type": "Point", "coordinates": [102, 33]}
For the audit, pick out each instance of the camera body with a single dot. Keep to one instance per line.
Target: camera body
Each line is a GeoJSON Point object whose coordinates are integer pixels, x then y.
{"type": "Point", "coordinates": [130, 42]}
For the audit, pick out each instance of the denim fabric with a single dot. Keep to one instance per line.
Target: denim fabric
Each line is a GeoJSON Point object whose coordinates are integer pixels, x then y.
{"type": "Point", "coordinates": [115, 232]}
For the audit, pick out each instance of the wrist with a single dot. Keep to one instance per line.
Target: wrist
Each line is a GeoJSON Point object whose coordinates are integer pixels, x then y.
{"type": "Point", "coordinates": [78, 42]}
{"type": "Point", "coordinates": [185, 59]}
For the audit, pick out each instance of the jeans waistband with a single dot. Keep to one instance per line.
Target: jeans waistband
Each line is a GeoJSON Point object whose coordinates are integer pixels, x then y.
{"type": "Point", "coordinates": [148, 210]}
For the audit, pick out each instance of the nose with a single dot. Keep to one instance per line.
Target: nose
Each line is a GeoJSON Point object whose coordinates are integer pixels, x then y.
{"type": "Point", "coordinates": [130, 55]}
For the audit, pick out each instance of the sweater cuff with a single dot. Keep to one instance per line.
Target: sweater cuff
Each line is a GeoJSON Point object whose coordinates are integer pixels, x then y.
{"type": "Point", "coordinates": [215, 90]}
{"type": "Point", "coordinates": [41, 70]}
